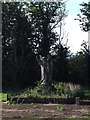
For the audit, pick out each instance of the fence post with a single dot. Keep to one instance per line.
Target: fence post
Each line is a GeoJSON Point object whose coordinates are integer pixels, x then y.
{"type": "Point", "coordinates": [77, 100]}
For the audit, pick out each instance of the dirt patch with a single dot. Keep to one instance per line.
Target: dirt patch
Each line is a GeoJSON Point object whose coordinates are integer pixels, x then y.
{"type": "Point", "coordinates": [45, 111]}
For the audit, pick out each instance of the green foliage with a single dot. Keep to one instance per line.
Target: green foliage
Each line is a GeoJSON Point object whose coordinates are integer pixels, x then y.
{"type": "Point", "coordinates": [84, 17]}
{"type": "Point", "coordinates": [78, 67]}
{"type": "Point", "coordinates": [35, 93]}
{"type": "Point", "coordinates": [61, 90]}
{"type": "Point", "coordinates": [16, 52]}
{"type": "Point", "coordinates": [89, 113]}
{"type": "Point", "coordinates": [60, 69]}
{"type": "Point", "coordinates": [61, 108]}
{"type": "Point", "coordinates": [69, 90]}
{"type": "Point", "coordinates": [86, 91]}
{"type": "Point", "coordinates": [28, 31]}
{"type": "Point", "coordinates": [3, 97]}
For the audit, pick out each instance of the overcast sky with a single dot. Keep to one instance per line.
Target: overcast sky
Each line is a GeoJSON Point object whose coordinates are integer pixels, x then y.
{"type": "Point", "coordinates": [75, 36]}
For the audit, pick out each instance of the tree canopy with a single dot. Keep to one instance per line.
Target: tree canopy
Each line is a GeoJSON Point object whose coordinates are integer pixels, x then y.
{"type": "Point", "coordinates": [30, 42]}
{"type": "Point", "coordinates": [84, 17]}
{"type": "Point", "coordinates": [28, 31]}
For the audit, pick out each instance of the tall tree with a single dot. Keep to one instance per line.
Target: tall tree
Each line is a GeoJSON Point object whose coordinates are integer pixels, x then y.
{"type": "Point", "coordinates": [45, 16]}
{"type": "Point", "coordinates": [28, 31]}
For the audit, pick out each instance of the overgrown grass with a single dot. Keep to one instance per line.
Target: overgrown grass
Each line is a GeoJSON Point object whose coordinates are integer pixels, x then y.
{"type": "Point", "coordinates": [35, 93]}
{"type": "Point", "coordinates": [68, 90]}
{"type": "Point", "coordinates": [62, 90]}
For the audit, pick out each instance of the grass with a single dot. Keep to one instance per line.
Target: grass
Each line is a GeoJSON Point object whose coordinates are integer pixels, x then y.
{"type": "Point", "coordinates": [34, 118]}
{"type": "Point", "coordinates": [76, 119]}
{"type": "Point", "coordinates": [3, 97]}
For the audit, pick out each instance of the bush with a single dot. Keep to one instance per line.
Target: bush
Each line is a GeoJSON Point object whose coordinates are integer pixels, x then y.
{"type": "Point", "coordinates": [61, 90]}
{"type": "Point", "coordinates": [69, 90]}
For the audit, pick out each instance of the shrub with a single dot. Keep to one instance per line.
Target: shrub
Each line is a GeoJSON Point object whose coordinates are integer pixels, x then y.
{"type": "Point", "coordinates": [69, 90]}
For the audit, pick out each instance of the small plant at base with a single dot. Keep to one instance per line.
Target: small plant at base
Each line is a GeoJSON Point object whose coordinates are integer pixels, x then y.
{"type": "Point", "coordinates": [60, 108]}
{"type": "Point", "coordinates": [89, 113]}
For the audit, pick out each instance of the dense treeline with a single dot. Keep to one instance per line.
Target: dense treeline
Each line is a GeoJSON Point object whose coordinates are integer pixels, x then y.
{"type": "Point", "coordinates": [19, 64]}
{"type": "Point", "coordinates": [78, 66]}
{"type": "Point", "coordinates": [24, 40]}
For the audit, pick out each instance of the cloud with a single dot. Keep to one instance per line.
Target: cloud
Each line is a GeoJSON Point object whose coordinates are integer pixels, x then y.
{"type": "Point", "coordinates": [75, 39]}
{"type": "Point", "coordinates": [76, 36]}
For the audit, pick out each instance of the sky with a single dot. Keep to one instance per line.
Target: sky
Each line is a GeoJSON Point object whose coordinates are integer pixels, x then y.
{"type": "Point", "coordinates": [72, 27]}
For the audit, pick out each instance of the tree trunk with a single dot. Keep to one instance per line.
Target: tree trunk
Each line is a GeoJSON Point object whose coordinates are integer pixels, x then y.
{"type": "Point", "coordinates": [46, 65]}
